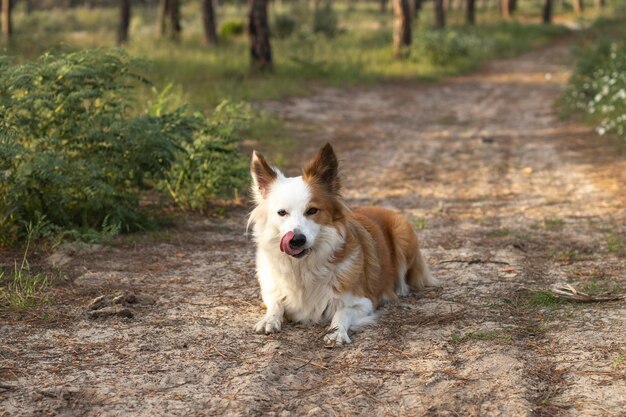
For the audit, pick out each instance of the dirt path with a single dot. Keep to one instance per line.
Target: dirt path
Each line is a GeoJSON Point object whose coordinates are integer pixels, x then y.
{"type": "Point", "coordinates": [510, 200]}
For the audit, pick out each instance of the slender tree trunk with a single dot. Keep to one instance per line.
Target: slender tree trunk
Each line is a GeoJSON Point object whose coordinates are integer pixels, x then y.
{"type": "Point", "coordinates": [600, 3]}
{"type": "Point", "coordinates": [512, 6]}
{"type": "Point", "coordinates": [174, 13]}
{"type": "Point", "coordinates": [161, 13]}
{"type": "Point", "coordinates": [122, 33]}
{"type": "Point", "coordinates": [168, 19]}
{"type": "Point", "coordinates": [470, 12]}
{"type": "Point", "coordinates": [29, 6]}
{"type": "Point", "coordinates": [577, 5]}
{"type": "Point", "coordinates": [417, 7]}
{"type": "Point", "coordinates": [505, 7]}
{"type": "Point", "coordinates": [401, 27]}
{"type": "Point", "coordinates": [7, 23]}
{"type": "Point", "coordinates": [440, 14]}
{"type": "Point", "coordinates": [547, 12]}
{"type": "Point", "coordinates": [259, 33]}
{"type": "Point", "coordinates": [208, 21]}
{"type": "Point", "coordinates": [383, 6]}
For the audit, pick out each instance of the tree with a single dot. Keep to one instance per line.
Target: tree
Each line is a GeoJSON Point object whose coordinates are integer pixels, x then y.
{"type": "Point", "coordinates": [547, 12]}
{"type": "Point", "coordinates": [169, 10]}
{"type": "Point", "coordinates": [383, 6]}
{"type": "Point", "coordinates": [512, 6]}
{"type": "Point", "coordinates": [417, 7]}
{"type": "Point", "coordinates": [208, 21]}
{"type": "Point", "coordinates": [259, 33]}
{"type": "Point", "coordinates": [600, 3]}
{"type": "Point", "coordinates": [401, 27]}
{"type": "Point", "coordinates": [440, 14]}
{"type": "Point", "coordinates": [122, 33]}
{"type": "Point", "coordinates": [505, 6]}
{"type": "Point", "coordinates": [7, 23]}
{"type": "Point", "coordinates": [470, 12]}
{"type": "Point", "coordinates": [578, 5]}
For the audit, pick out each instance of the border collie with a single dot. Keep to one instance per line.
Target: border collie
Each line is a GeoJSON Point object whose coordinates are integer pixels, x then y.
{"type": "Point", "coordinates": [318, 260]}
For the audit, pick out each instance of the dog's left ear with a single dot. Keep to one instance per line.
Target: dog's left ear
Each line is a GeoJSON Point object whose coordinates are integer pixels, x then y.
{"type": "Point", "coordinates": [324, 169]}
{"type": "Point", "coordinates": [263, 175]}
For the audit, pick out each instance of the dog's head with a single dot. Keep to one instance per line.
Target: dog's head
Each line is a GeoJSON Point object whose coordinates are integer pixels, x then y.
{"type": "Point", "coordinates": [295, 211]}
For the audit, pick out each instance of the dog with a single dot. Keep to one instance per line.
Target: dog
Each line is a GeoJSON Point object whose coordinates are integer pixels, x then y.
{"type": "Point", "coordinates": [319, 261]}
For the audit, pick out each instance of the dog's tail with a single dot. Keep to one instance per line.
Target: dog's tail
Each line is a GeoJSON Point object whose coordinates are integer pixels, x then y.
{"type": "Point", "coordinates": [418, 274]}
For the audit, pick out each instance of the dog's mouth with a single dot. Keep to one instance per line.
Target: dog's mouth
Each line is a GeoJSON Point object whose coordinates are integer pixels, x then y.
{"type": "Point", "coordinates": [297, 253]}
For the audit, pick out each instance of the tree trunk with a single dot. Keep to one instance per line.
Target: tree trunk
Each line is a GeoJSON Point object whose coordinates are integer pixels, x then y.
{"type": "Point", "coordinates": [440, 14]}
{"type": "Point", "coordinates": [7, 24]}
{"type": "Point", "coordinates": [29, 6]}
{"type": "Point", "coordinates": [122, 33]}
{"type": "Point", "coordinates": [577, 5]}
{"type": "Point", "coordinates": [547, 12]}
{"type": "Point", "coordinates": [168, 19]}
{"type": "Point", "coordinates": [401, 27]}
{"type": "Point", "coordinates": [259, 33]}
{"type": "Point", "coordinates": [505, 7]}
{"type": "Point", "coordinates": [512, 6]}
{"type": "Point", "coordinates": [417, 7]}
{"type": "Point", "coordinates": [470, 12]}
{"type": "Point", "coordinates": [383, 6]}
{"type": "Point", "coordinates": [600, 3]}
{"type": "Point", "coordinates": [208, 21]}
{"type": "Point", "coordinates": [174, 13]}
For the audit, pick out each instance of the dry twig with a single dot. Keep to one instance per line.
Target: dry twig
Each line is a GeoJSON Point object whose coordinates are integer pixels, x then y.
{"type": "Point", "coordinates": [567, 292]}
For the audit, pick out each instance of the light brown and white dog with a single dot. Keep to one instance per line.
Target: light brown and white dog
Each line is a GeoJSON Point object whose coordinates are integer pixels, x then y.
{"type": "Point", "coordinates": [318, 260]}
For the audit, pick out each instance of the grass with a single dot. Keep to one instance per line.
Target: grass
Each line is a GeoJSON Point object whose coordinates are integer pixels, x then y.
{"type": "Point", "coordinates": [545, 300]}
{"type": "Point", "coordinates": [420, 223]}
{"type": "Point", "coordinates": [619, 360]}
{"type": "Point", "coordinates": [498, 336]}
{"type": "Point", "coordinates": [20, 289]}
{"type": "Point", "coordinates": [616, 243]}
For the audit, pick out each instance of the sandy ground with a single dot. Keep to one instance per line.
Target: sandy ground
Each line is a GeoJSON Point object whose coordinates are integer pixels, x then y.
{"type": "Point", "coordinates": [508, 199]}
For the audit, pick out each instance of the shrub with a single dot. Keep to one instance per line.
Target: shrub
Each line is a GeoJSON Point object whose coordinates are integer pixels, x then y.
{"type": "Point", "coordinates": [76, 150]}
{"type": "Point", "coordinates": [212, 166]}
{"type": "Point", "coordinates": [598, 86]}
{"type": "Point", "coordinates": [284, 26]}
{"type": "Point", "coordinates": [232, 28]}
{"type": "Point", "coordinates": [441, 47]}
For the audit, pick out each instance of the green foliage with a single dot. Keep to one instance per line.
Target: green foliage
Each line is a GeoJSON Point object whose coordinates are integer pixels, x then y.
{"type": "Point", "coordinates": [598, 86]}
{"type": "Point", "coordinates": [232, 28]}
{"type": "Point", "coordinates": [284, 26]}
{"type": "Point", "coordinates": [76, 149]}
{"type": "Point", "coordinates": [212, 166]}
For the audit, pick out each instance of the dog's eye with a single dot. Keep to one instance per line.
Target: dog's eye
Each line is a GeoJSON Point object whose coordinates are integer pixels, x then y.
{"type": "Point", "coordinates": [311, 211]}
{"type": "Point", "coordinates": [282, 213]}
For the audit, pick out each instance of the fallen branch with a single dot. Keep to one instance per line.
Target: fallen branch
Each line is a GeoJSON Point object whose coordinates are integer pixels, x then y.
{"type": "Point", "coordinates": [474, 261]}
{"type": "Point", "coordinates": [567, 292]}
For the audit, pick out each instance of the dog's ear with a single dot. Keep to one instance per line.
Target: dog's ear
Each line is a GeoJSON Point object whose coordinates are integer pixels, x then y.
{"type": "Point", "coordinates": [324, 169]}
{"type": "Point", "coordinates": [263, 175]}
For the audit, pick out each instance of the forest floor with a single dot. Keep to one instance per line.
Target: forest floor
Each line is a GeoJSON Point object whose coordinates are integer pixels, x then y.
{"type": "Point", "coordinates": [508, 200]}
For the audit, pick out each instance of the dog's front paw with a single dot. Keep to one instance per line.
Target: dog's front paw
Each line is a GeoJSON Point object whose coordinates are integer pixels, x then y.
{"type": "Point", "coordinates": [268, 325]}
{"type": "Point", "coordinates": [337, 337]}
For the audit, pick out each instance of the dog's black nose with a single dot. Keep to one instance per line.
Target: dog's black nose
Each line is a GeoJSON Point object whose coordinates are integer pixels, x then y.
{"type": "Point", "coordinates": [298, 241]}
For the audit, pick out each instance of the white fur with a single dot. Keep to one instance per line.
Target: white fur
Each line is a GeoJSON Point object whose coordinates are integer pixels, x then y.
{"type": "Point", "coordinates": [302, 289]}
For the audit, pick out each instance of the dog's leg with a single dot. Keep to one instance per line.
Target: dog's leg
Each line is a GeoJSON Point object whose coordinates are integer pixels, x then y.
{"type": "Point", "coordinates": [355, 313]}
{"type": "Point", "coordinates": [272, 322]}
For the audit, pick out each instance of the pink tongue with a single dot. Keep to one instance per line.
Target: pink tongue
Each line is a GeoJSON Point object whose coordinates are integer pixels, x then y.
{"type": "Point", "coordinates": [284, 244]}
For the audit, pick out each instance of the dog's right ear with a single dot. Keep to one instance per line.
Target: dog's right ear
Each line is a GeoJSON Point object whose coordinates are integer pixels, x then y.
{"type": "Point", "coordinates": [263, 175]}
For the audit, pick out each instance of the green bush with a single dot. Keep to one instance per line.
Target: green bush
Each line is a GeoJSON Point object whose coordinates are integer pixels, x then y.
{"type": "Point", "coordinates": [284, 26]}
{"type": "Point", "coordinates": [232, 28]}
{"type": "Point", "coordinates": [441, 47]}
{"type": "Point", "coordinates": [212, 166]}
{"type": "Point", "coordinates": [598, 86]}
{"type": "Point", "coordinates": [76, 150]}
